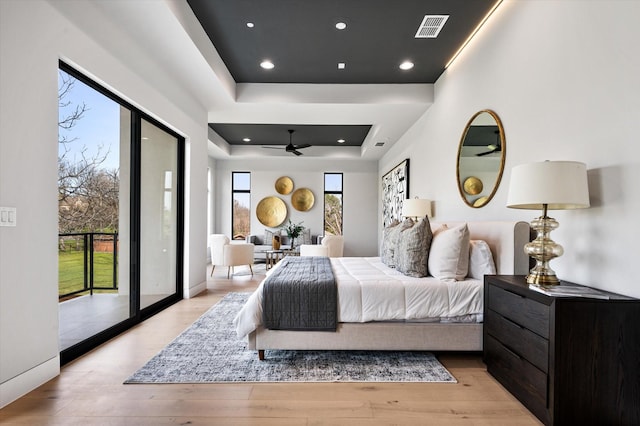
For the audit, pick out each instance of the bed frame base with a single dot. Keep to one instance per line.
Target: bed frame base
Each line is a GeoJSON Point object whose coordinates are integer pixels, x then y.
{"type": "Point", "coordinates": [506, 240]}
{"type": "Point", "coordinates": [379, 336]}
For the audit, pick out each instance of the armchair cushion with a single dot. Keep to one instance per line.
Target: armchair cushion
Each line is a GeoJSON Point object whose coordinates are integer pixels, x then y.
{"type": "Point", "coordinates": [238, 254]}
{"type": "Point", "coordinates": [334, 244]}
{"type": "Point", "coordinates": [216, 244]}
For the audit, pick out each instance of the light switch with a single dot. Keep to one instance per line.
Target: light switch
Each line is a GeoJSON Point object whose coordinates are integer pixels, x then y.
{"type": "Point", "coordinates": [7, 216]}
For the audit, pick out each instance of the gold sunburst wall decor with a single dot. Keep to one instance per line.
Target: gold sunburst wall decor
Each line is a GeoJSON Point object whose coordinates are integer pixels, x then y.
{"type": "Point", "coordinates": [472, 185]}
{"type": "Point", "coordinates": [302, 199]}
{"type": "Point", "coordinates": [284, 185]}
{"type": "Point", "coordinates": [271, 211]}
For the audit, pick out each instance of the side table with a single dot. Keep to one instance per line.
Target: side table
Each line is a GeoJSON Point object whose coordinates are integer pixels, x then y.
{"type": "Point", "coordinates": [570, 360]}
{"type": "Point", "coordinates": [273, 257]}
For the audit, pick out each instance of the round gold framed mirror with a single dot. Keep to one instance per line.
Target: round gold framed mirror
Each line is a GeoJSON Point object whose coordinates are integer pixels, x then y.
{"type": "Point", "coordinates": [481, 155]}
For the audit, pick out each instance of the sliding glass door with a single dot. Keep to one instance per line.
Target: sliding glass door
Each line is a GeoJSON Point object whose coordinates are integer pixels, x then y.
{"type": "Point", "coordinates": [137, 185]}
{"type": "Point", "coordinates": [158, 214]}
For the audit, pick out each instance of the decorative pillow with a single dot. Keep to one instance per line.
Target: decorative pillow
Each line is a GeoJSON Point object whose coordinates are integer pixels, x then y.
{"type": "Point", "coordinates": [303, 238]}
{"type": "Point", "coordinates": [480, 260]}
{"type": "Point", "coordinates": [390, 236]}
{"type": "Point", "coordinates": [412, 250]}
{"type": "Point", "coordinates": [449, 253]}
{"type": "Point", "coordinates": [268, 236]}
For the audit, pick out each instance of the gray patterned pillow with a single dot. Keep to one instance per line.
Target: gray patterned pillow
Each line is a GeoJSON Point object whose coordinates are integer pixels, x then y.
{"type": "Point", "coordinates": [390, 236]}
{"type": "Point", "coordinates": [303, 238]}
{"type": "Point", "coordinates": [412, 252]}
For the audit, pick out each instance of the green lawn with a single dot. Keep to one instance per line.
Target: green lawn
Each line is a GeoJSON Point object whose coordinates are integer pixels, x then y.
{"type": "Point", "coordinates": [71, 272]}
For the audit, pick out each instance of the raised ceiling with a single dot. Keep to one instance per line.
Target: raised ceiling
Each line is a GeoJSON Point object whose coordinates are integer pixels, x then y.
{"type": "Point", "coordinates": [277, 134]}
{"type": "Point", "coordinates": [300, 38]}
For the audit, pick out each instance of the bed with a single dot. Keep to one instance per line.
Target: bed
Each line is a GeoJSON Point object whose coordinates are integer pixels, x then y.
{"type": "Point", "coordinates": [443, 327]}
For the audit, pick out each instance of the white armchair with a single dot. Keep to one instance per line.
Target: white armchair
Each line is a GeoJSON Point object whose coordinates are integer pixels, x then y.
{"type": "Point", "coordinates": [334, 244]}
{"type": "Point", "coordinates": [330, 245]}
{"type": "Point", "coordinates": [224, 253]}
{"type": "Point", "coordinates": [314, 250]}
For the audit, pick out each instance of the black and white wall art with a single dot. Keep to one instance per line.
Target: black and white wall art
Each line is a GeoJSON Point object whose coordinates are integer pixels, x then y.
{"type": "Point", "coordinates": [395, 189]}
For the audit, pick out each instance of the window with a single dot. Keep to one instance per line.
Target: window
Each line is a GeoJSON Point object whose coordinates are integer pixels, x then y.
{"type": "Point", "coordinates": [240, 214]}
{"type": "Point", "coordinates": [333, 203]}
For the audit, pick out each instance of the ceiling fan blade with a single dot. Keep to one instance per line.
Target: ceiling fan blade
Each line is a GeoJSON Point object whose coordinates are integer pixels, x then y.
{"type": "Point", "coordinates": [274, 147]}
{"type": "Point", "coordinates": [306, 145]}
{"type": "Point", "coordinates": [488, 152]}
{"type": "Point", "coordinates": [296, 152]}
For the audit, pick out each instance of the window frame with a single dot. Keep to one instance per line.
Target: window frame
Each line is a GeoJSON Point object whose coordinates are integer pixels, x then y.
{"type": "Point", "coordinates": [235, 191]}
{"type": "Point", "coordinates": [333, 192]}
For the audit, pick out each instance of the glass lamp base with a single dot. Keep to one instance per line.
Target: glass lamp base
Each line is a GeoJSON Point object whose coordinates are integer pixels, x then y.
{"type": "Point", "coordinates": [543, 249]}
{"type": "Point", "coordinates": [546, 278]}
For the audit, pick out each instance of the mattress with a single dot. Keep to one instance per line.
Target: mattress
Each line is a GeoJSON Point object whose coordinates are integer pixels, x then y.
{"type": "Point", "coordinates": [368, 290]}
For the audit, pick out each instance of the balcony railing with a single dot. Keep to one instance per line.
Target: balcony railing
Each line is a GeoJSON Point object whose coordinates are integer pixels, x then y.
{"type": "Point", "coordinates": [87, 262]}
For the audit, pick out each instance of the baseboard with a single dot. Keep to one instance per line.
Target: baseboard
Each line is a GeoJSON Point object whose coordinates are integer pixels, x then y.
{"type": "Point", "coordinates": [29, 380]}
{"type": "Point", "coordinates": [195, 290]}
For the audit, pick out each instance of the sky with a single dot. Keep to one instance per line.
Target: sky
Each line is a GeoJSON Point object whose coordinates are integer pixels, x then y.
{"type": "Point", "coordinates": [99, 126]}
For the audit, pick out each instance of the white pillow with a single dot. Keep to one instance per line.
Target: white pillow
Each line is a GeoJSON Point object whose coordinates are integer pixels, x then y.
{"type": "Point", "coordinates": [480, 260]}
{"type": "Point", "coordinates": [449, 253]}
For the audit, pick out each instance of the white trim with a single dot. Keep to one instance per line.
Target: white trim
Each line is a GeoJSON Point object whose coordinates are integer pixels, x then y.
{"type": "Point", "coordinates": [195, 290]}
{"type": "Point", "coordinates": [24, 383]}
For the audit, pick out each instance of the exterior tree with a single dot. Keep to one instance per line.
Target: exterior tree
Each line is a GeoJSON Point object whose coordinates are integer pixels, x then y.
{"type": "Point", "coordinates": [87, 193]}
{"type": "Point", "coordinates": [241, 221]}
{"type": "Point", "coordinates": [332, 215]}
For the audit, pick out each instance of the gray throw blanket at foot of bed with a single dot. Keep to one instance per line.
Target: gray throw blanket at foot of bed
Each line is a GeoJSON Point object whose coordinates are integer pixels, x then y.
{"type": "Point", "coordinates": [301, 294]}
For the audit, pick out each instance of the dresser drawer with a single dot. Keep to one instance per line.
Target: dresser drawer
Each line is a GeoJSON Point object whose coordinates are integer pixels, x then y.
{"type": "Point", "coordinates": [521, 310]}
{"type": "Point", "coordinates": [522, 379]}
{"type": "Point", "coordinates": [520, 340]}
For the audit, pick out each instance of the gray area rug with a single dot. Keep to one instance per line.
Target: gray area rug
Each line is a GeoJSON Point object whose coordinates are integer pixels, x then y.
{"type": "Point", "coordinates": [210, 352]}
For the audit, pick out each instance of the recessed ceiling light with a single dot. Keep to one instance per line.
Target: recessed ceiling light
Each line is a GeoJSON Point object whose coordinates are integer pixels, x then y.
{"type": "Point", "coordinates": [341, 141]}
{"type": "Point", "coordinates": [250, 24]}
{"type": "Point", "coordinates": [341, 65]}
{"type": "Point", "coordinates": [341, 25]}
{"type": "Point", "coordinates": [267, 65]}
{"type": "Point", "coordinates": [406, 65]}
{"type": "Point", "coordinates": [246, 140]}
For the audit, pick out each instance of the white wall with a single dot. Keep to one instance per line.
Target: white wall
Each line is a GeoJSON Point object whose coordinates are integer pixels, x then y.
{"type": "Point", "coordinates": [34, 35]}
{"type": "Point", "coordinates": [563, 77]}
{"type": "Point", "coordinates": [360, 192]}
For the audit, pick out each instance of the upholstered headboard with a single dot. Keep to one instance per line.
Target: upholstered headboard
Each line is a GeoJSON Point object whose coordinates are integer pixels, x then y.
{"type": "Point", "coordinates": [506, 239]}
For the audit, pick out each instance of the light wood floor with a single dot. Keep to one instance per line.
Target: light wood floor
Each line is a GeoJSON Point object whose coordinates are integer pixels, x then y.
{"type": "Point", "coordinates": [90, 391]}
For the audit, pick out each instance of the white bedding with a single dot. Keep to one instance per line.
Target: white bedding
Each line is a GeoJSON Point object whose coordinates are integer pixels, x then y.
{"type": "Point", "coordinates": [368, 290]}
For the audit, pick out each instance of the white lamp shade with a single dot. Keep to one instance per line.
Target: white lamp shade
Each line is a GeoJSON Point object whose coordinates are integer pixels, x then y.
{"type": "Point", "coordinates": [560, 185]}
{"type": "Point", "coordinates": [416, 207]}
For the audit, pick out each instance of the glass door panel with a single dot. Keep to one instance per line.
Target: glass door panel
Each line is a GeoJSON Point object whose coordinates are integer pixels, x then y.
{"type": "Point", "coordinates": [93, 192]}
{"type": "Point", "coordinates": [158, 214]}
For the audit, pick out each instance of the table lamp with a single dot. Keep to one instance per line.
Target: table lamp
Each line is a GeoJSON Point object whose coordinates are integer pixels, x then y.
{"type": "Point", "coordinates": [547, 185]}
{"type": "Point", "coordinates": [416, 208]}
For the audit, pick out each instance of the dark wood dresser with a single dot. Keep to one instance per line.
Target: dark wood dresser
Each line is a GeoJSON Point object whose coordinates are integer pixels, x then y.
{"type": "Point", "coordinates": [569, 360]}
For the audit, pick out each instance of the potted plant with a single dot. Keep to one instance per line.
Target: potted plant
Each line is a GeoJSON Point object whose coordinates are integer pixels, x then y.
{"type": "Point", "coordinates": [293, 231]}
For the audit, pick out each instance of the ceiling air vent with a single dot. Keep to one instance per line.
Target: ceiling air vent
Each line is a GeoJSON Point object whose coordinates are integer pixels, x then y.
{"type": "Point", "coordinates": [431, 26]}
{"type": "Point", "coordinates": [379, 143]}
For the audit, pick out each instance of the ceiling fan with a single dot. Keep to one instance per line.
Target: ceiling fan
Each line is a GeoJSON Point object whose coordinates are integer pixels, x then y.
{"type": "Point", "coordinates": [497, 147]}
{"type": "Point", "coordinates": [290, 147]}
